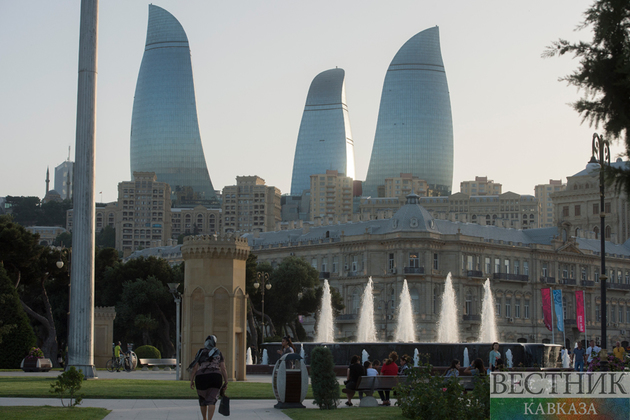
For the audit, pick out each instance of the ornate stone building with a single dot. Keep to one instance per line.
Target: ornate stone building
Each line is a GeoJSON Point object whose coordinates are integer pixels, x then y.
{"type": "Point", "coordinates": [577, 208]}
{"type": "Point", "coordinates": [415, 246]}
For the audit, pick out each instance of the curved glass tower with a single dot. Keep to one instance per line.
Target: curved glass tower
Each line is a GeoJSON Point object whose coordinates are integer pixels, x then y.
{"type": "Point", "coordinates": [164, 128]}
{"type": "Point", "coordinates": [325, 139]}
{"type": "Point", "coordinates": [414, 131]}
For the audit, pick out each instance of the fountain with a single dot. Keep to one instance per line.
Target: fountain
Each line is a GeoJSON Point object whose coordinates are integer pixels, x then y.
{"type": "Point", "coordinates": [248, 357]}
{"type": "Point", "coordinates": [405, 330]}
{"type": "Point", "coordinates": [364, 356]}
{"type": "Point", "coordinates": [488, 331]}
{"type": "Point", "coordinates": [448, 325]}
{"type": "Point", "coordinates": [325, 324]}
{"type": "Point", "coordinates": [437, 354]}
{"type": "Point", "coordinates": [566, 359]}
{"type": "Point", "coordinates": [302, 351]}
{"type": "Point", "coordinates": [509, 357]}
{"type": "Point", "coordinates": [366, 332]}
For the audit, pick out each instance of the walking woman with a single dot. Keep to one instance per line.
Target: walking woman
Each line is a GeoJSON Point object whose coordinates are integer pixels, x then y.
{"type": "Point", "coordinates": [209, 376]}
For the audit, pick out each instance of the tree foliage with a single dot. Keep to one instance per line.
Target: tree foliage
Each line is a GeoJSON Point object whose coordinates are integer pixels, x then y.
{"type": "Point", "coordinates": [16, 333]}
{"type": "Point", "coordinates": [603, 74]}
{"type": "Point", "coordinates": [145, 310]}
{"type": "Point", "coordinates": [29, 211]}
{"type": "Point", "coordinates": [323, 379]}
{"type": "Point", "coordinates": [106, 238]}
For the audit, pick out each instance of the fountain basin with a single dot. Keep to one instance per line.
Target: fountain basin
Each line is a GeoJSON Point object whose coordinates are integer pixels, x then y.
{"type": "Point", "coordinates": [440, 354]}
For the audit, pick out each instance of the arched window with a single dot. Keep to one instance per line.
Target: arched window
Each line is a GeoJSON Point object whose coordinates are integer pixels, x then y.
{"type": "Point", "coordinates": [596, 231]}
{"type": "Point", "coordinates": [577, 232]}
{"type": "Point", "coordinates": [608, 232]}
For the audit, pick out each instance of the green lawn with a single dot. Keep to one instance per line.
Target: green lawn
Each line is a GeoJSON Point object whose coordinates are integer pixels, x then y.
{"type": "Point", "coordinates": [38, 387]}
{"type": "Point", "coordinates": [373, 413]}
{"type": "Point", "coordinates": [52, 413]}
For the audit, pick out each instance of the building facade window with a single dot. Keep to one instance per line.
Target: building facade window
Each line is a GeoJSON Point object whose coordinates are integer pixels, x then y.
{"type": "Point", "coordinates": [414, 261]}
{"type": "Point", "coordinates": [526, 309]}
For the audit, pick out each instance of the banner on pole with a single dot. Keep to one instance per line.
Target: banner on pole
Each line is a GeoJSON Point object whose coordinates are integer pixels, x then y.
{"type": "Point", "coordinates": [579, 310]}
{"type": "Point", "coordinates": [557, 303]}
{"type": "Point", "coordinates": [546, 303]}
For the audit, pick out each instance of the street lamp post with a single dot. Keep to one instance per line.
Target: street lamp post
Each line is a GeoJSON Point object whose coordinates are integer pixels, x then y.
{"type": "Point", "coordinates": [262, 279]}
{"type": "Point", "coordinates": [178, 298]}
{"type": "Point", "coordinates": [601, 155]}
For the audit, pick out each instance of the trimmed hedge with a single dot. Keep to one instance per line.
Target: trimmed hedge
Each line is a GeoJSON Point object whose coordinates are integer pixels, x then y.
{"type": "Point", "coordinates": [323, 379]}
{"type": "Point", "coordinates": [16, 333]}
{"type": "Point", "coordinates": [148, 352]}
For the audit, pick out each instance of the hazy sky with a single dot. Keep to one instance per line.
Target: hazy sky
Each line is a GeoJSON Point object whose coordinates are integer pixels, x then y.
{"type": "Point", "coordinates": [253, 63]}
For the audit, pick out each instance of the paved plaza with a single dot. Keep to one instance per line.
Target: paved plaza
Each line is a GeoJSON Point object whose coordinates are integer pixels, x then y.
{"type": "Point", "coordinates": [159, 409]}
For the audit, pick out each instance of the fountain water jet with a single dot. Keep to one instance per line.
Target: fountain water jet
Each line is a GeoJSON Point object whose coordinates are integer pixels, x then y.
{"type": "Point", "coordinates": [405, 330]}
{"type": "Point", "coordinates": [365, 356]}
{"type": "Point", "coordinates": [466, 361]}
{"type": "Point", "coordinates": [326, 322]}
{"type": "Point", "coordinates": [488, 331]}
{"type": "Point", "coordinates": [248, 357]}
{"type": "Point", "coordinates": [448, 328]}
{"type": "Point", "coordinates": [366, 332]}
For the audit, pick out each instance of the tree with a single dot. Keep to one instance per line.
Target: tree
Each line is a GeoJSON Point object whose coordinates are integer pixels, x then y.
{"type": "Point", "coordinates": [33, 270]}
{"type": "Point", "coordinates": [16, 333]}
{"type": "Point", "coordinates": [24, 209]}
{"type": "Point", "coordinates": [141, 313]}
{"type": "Point", "coordinates": [292, 276]}
{"type": "Point", "coordinates": [603, 74]}
{"type": "Point", "coordinates": [106, 238]}
{"type": "Point", "coordinates": [323, 379]}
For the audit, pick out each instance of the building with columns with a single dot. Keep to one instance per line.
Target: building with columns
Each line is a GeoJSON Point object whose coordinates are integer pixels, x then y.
{"type": "Point", "coordinates": [577, 208]}
{"type": "Point", "coordinates": [414, 246]}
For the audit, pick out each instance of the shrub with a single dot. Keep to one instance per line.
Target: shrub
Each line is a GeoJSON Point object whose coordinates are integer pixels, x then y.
{"type": "Point", "coordinates": [16, 334]}
{"type": "Point", "coordinates": [323, 379]}
{"type": "Point", "coordinates": [424, 396]}
{"type": "Point", "coordinates": [68, 383]}
{"type": "Point", "coordinates": [148, 352]}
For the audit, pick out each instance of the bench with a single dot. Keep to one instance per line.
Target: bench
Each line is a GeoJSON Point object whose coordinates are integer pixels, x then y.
{"type": "Point", "coordinates": [146, 363]}
{"type": "Point", "coordinates": [369, 384]}
{"type": "Point", "coordinates": [468, 382]}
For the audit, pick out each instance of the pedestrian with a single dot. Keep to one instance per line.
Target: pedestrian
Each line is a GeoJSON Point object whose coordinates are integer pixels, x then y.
{"type": "Point", "coordinates": [592, 351]}
{"type": "Point", "coordinates": [355, 371]}
{"type": "Point", "coordinates": [619, 352]}
{"type": "Point", "coordinates": [494, 355]}
{"type": "Point", "coordinates": [287, 346]}
{"type": "Point", "coordinates": [390, 368]}
{"type": "Point", "coordinates": [453, 370]}
{"type": "Point", "coordinates": [209, 376]}
{"type": "Point", "coordinates": [403, 370]}
{"type": "Point", "coordinates": [578, 357]}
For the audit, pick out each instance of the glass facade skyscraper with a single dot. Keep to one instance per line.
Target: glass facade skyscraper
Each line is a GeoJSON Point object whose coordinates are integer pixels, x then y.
{"type": "Point", "coordinates": [414, 131]}
{"type": "Point", "coordinates": [164, 127]}
{"type": "Point", "coordinates": [325, 139]}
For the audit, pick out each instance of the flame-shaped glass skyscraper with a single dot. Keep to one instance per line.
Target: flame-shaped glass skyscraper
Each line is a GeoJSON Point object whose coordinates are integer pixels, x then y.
{"type": "Point", "coordinates": [414, 130]}
{"type": "Point", "coordinates": [325, 139]}
{"type": "Point", "coordinates": [164, 127]}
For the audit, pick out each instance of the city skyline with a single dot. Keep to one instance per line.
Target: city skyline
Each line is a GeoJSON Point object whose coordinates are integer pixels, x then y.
{"type": "Point", "coordinates": [251, 65]}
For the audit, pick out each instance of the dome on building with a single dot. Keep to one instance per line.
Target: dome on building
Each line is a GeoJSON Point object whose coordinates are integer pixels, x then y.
{"type": "Point", "coordinates": [413, 217]}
